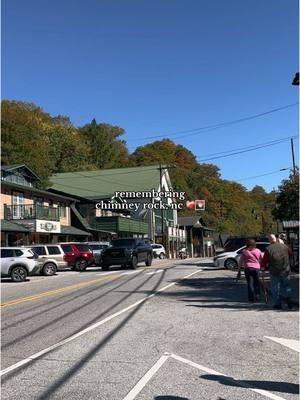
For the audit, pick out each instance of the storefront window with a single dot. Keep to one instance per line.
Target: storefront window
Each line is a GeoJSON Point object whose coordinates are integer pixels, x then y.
{"type": "Point", "coordinates": [62, 210]}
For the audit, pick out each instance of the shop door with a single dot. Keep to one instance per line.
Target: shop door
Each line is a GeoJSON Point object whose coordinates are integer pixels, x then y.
{"type": "Point", "coordinates": [18, 205]}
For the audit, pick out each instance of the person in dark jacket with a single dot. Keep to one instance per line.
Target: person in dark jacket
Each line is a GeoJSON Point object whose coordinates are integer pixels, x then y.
{"type": "Point", "coordinates": [277, 259]}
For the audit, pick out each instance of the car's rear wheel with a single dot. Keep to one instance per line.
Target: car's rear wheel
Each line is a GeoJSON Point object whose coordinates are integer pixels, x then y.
{"type": "Point", "coordinates": [105, 267]}
{"type": "Point", "coordinates": [134, 262]}
{"type": "Point", "coordinates": [162, 256]}
{"type": "Point", "coordinates": [80, 265]}
{"type": "Point", "coordinates": [49, 269]}
{"type": "Point", "coordinates": [231, 264]}
{"type": "Point", "coordinates": [18, 274]}
{"type": "Point", "coordinates": [148, 261]}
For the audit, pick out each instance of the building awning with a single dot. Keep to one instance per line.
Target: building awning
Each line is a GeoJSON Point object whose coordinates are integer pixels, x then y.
{"type": "Point", "coordinates": [190, 221]}
{"type": "Point", "coordinates": [194, 222]}
{"type": "Point", "coordinates": [8, 226]}
{"type": "Point", "coordinates": [102, 231]}
{"type": "Point", "coordinates": [290, 224]}
{"type": "Point", "coordinates": [121, 224]}
{"type": "Point", "coordinates": [71, 230]}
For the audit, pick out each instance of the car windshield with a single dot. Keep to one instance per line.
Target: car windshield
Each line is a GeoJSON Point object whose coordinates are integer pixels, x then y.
{"type": "Point", "coordinates": [234, 244]}
{"type": "Point", "coordinates": [123, 243]}
{"type": "Point", "coordinates": [66, 248]}
{"type": "Point", "coordinates": [82, 247]}
{"type": "Point", "coordinates": [40, 251]}
{"type": "Point", "coordinates": [98, 246]}
{"type": "Point", "coordinates": [33, 252]}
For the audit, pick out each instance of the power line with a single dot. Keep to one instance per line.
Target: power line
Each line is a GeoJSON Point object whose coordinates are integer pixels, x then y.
{"type": "Point", "coordinates": [246, 150]}
{"type": "Point", "coordinates": [96, 177]}
{"type": "Point", "coordinates": [235, 180]}
{"type": "Point", "coordinates": [106, 181]}
{"type": "Point", "coordinates": [249, 147]}
{"type": "Point", "coordinates": [73, 187]}
{"type": "Point", "coordinates": [101, 175]}
{"type": "Point", "coordinates": [98, 180]}
{"type": "Point", "coordinates": [230, 153]}
{"type": "Point", "coordinates": [258, 176]}
{"type": "Point", "coordinates": [207, 128]}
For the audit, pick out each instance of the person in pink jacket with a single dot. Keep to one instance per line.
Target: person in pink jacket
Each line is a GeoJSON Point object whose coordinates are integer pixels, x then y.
{"type": "Point", "coordinates": [250, 260]}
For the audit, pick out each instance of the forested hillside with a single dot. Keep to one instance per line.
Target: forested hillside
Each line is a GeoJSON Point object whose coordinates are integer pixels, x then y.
{"type": "Point", "coordinates": [50, 144]}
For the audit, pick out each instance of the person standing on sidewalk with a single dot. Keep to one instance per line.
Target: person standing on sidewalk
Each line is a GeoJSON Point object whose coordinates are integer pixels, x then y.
{"type": "Point", "coordinates": [277, 259]}
{"type": "Point", "coordinates": [250, 260]}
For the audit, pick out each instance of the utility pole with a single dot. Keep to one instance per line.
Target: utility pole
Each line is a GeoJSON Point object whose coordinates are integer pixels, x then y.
{"type": "Point", "coordinates": [165, 239]}
{"type": "Point", "coordinates": [161, 210]}
{"type": "Point", "coordinates": [293, 157]}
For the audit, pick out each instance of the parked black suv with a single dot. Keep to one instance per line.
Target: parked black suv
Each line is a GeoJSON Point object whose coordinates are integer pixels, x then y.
{"type": "Point", "coordinates": [127, 253]}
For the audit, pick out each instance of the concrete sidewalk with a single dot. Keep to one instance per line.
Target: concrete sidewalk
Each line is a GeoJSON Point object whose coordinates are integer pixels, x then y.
{"type": "Point", "coordinates": [294, 279]}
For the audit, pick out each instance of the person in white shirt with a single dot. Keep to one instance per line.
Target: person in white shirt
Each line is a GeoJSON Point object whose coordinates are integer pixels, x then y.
{"type": "Point", "coordinates": [278, 239]}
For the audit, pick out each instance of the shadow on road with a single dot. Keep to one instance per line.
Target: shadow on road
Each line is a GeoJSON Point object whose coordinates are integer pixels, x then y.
{"type": "Point", "coordinates": [219, 292]}
{"type": "Point", "coordinates": [9, 280]}
{"type": "Point", "coordinates": [57, 384]}
{"type": "Point", "coordinates": [75, 310]}
{"type": "Point", "coordinates": [284, 387]}
{"type": "Point", "coordinates": [69, 300]}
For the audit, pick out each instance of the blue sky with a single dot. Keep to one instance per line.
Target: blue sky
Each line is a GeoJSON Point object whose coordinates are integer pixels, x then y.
{"type": "Point", "coordinates": [158, 67]}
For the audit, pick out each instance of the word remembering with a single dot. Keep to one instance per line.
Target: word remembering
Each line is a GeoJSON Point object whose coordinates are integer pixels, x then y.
{"type": "Point", "coordinates": [168, 200]}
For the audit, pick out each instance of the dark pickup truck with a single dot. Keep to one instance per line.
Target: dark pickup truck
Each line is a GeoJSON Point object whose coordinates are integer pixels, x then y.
{"type": "Point", "coordinates": [127, 253]}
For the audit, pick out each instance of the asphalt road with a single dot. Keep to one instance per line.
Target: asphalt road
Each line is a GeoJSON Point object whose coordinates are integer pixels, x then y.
{"type": "Point", "coordinates": [181, 329]}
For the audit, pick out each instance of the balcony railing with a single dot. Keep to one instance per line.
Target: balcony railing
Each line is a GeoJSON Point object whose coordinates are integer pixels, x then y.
{"type": "Point", "coordinates": [31, 211]}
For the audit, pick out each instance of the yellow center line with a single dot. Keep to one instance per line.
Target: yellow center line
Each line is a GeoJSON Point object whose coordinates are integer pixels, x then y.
{"type": "Point", "coordinates": [57, 291]}
{"type": "Point", "coordinates": [68, 288]}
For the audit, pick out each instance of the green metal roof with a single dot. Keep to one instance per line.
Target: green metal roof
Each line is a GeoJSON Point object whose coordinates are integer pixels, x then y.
{"type": "Point", "coordinates": [7, 226]}
{"type": "Point", "coordinates": [103, 183]}
{"type": "Point", "coordinates": [71, 230]}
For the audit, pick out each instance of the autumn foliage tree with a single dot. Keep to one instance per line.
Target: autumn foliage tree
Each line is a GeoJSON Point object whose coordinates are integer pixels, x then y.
{"type": "Point", "coordinates": [229, 206]}
{"type": "Point", "coordinates": [287, 200]}
{"type": "Point", "coordinates": [49, 144]}
{"type": "Point", "coordinates": [45, 144]}
{"type": "Point", "coordinates": [52, 144]}
{"type": "Point", "coordinates": [103, 145]}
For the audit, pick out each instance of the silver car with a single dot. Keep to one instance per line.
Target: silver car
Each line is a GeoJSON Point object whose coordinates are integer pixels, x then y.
{"type": "Point", "coordinates": [230, 259]}
{"type": "Point", "coordinates": [51, 258]}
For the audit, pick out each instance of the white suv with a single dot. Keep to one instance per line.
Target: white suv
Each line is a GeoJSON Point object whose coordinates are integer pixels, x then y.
{"type": "Point", "coordinates": [158, 250]}
{"type": "Point", "coordinates": [18, 262]}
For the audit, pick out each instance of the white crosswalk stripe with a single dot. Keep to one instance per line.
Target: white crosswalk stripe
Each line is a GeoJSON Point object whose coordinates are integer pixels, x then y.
{"type": "Point", "coordinates": [291, 344]}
